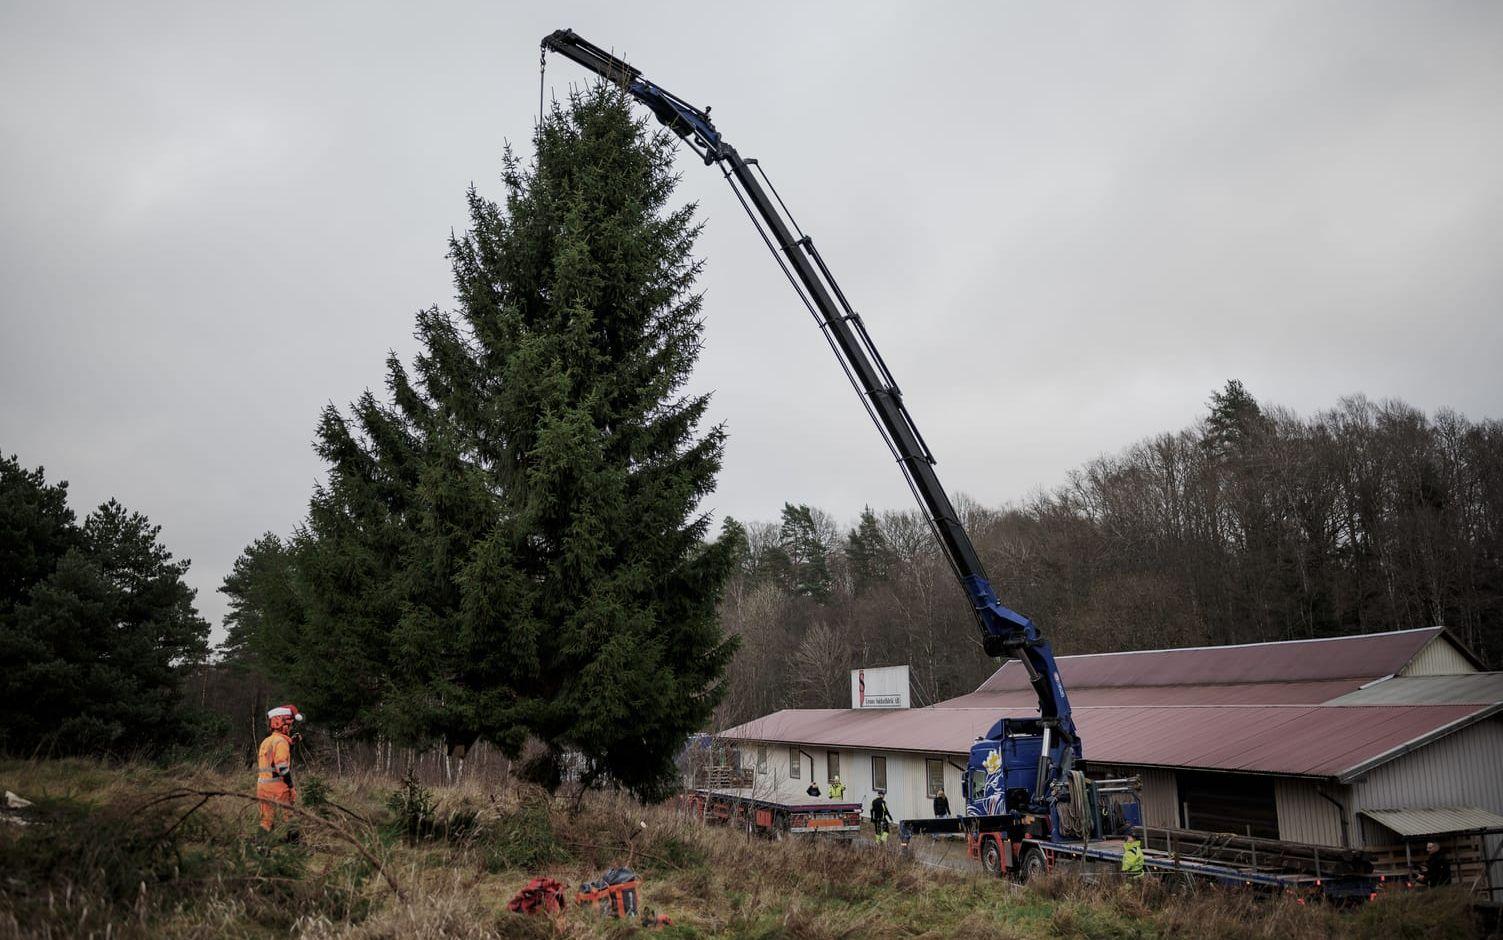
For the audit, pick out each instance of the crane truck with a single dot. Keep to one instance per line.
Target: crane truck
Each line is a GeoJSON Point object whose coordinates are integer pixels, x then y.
{"type": "Point", "coordinates": [1028, 802]}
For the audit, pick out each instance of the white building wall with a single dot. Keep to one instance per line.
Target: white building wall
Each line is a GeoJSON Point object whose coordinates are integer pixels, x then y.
{"type": "Point", "coordinates": [1439, 657]}
{"type": "Point", "coordinates": [907, 783]}
{"type": "Point", "coordinates": [1461, 769]}
{"type": "Point", "coordinates": [1306, 816]}
{"type": "Point", "coordinates": [1160, 797]}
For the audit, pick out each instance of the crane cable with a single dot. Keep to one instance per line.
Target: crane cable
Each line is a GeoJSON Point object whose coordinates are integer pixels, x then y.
{"type": "Point", "coordinates": [542, 70]}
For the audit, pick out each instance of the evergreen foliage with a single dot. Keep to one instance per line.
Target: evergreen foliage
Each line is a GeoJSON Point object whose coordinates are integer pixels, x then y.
{"type": "Point", "coordinates": [96, 623]}
{"type": "Point", "coordinates": [1235, 421]}
{"type": "Point", "coordinates": [804, 553]}
{"type": "Point", "coordinates": [509, 546]}
{"type": "Point", "coordinates": [869, 554]}
{"type": "Point", "coordinates": [266, 603]}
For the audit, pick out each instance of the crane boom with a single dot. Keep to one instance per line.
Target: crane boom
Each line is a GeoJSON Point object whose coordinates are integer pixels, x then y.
{"type": "Point", "coordinates": [1004, 632]}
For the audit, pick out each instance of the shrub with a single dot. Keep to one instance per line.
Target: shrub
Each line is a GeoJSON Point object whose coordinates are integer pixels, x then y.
{"type": "Point", "coordinates": [414, 814]}
{"type": "Point", "coordinates": [523, 839]}
{"type": "Point", "coordinates": [313, 792]}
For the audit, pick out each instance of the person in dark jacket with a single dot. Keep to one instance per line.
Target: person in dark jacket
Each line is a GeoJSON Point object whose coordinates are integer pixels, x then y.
{"type": "Point", "coordinates": [941, 804]}
{"type": "Point", "coordinates": [813, 789]}
{"type": "Point", "coordinates": [1437, 866]}
{"type": "Point", "coordinates": [881, 817]}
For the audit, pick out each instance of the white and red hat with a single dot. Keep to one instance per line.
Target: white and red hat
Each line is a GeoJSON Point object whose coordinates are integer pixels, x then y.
{"type": "Point", "coordinates": [289, 712]}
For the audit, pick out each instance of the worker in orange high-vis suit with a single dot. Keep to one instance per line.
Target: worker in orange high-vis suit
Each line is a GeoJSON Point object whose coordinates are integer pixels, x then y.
{"type": "Point", "coordinates": [274, 765]}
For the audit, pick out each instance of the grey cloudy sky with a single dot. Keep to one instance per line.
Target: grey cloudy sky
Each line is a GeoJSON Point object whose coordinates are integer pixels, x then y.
{"type": "Point", "coordinates": [1065, 224]}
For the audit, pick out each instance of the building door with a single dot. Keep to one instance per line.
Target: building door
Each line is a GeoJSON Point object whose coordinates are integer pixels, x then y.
{"type": "Point", "coordinates": [1243, 804]}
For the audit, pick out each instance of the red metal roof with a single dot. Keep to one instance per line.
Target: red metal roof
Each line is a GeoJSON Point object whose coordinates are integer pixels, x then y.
{"type": "Point", "coordinates": [1362, 657]}
{"type": "Point", "coordinates": [1231, 693]}
{"type": "Point", "coordinates": [1306, 740]}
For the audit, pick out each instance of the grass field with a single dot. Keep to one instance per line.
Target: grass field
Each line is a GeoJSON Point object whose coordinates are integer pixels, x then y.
{"type": "Point", "coordinates": [137, 850]}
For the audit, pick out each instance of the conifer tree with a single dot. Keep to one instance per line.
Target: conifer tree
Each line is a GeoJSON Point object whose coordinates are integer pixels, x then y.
{"type": "Point", "coordinates": [867, 549]}
{"type": "Point", "coordinates": [806, 554]}
{"type": "Point", "coordinates": [1235, 422]}
{"type": "Point", "coordinates": [511, 547]}
{"type": "Point", "coordinates": [96, 624]}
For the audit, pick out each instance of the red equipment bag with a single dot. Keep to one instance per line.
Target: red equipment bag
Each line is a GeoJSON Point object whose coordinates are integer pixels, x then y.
{"type": "Point", "coordinates": [542, 895]}
{"type": "Point", "coordinates": [615, 893]}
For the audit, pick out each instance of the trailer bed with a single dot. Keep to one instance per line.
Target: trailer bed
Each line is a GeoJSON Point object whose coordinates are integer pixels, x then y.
{"type": "Point", "coordinates": [1335, 884]}
{"type": "Point", "coordinates": [773, 816]}
{"type": "Point", "coordinates": [1190, 856]}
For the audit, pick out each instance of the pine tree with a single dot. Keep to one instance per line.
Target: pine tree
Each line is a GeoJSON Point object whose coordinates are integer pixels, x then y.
{"type": "Point", "coordinates": [36, 530]}
{"type": "Point", "coordinates": [868, 552]}
{"type": "Point", "coordinates": [266, 603]}
{"type": "Point", "coordinates": [1235, 422]}
{"type": "Point", "coordinates": [807, 554]}
{"type": "Point", "coordinates": [96, 625]}
{"type": "Point", "coordinates": [512, 546]}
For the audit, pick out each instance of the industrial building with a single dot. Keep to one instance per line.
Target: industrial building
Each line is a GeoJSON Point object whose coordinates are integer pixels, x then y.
{"type": "Point", "coordinates": [1360, 741]}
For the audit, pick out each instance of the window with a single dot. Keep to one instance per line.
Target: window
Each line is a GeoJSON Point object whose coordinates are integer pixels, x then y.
{"type": "Point", "coordinates": [761, 758]}
{"type": "Point", "coordinates": [795, 764]}
{"type": "Point", "coordinates": [832, 766]}
{"type": "Point", "coordinates": [1225, 802]}
{"type": "Point", "coordinates": [879, 773]}
{"type": "Point", "coordinates": [934, 776]}
{"type": "Point", "coordinates": [978, 784]}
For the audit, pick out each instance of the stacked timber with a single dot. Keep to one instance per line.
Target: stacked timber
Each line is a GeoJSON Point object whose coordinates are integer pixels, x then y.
{"type": "Point", "coordinates": [1273, 855]}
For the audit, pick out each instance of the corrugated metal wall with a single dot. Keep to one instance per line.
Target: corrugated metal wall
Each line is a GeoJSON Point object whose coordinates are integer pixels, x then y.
{"type": "Point", "coordinates": [1438, 658]}
{"type": "Point", "coordinates": [1461, 769]}
{"type": "Point", "coordinates": [1160, 797]}
{"type": "Point", "coordinates": [1304, 816]}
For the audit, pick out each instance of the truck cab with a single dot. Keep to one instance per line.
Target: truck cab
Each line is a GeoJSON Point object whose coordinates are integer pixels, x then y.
{"type": "Point", "coordinates": [1002, 772]}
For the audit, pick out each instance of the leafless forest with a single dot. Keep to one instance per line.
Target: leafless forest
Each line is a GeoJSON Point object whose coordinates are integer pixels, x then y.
{"type": "Point", "coordinates": [1255, 524]}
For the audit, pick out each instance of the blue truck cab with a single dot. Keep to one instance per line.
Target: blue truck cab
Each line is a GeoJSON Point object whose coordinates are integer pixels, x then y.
{"type": "Point", "coordinates": [1003, 769]}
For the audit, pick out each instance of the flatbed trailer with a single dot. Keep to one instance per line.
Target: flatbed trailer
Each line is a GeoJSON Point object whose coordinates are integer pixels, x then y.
{"type": "Point", "coordinates": [771, 817]}
{"type": "Point", "coordinates": [1002, 849]}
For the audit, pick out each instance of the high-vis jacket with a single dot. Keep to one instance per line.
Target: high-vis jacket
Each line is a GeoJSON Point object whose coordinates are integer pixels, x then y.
{"type": "Point", "coordinates": [274, 760]}
{"type": "Point", "coordinates": [1132, 859]}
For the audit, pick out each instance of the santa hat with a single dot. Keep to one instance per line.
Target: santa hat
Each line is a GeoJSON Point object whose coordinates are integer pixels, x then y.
{"type": "Point", "coordinates": [285, 711]}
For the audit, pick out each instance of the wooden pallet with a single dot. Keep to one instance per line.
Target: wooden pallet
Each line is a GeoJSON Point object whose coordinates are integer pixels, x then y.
{"type": "Point", "coordinates": [1468, 861]}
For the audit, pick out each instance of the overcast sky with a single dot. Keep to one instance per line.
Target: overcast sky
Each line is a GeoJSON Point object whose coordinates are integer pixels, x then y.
{"type": "Point", "coordinates": [1065, 224]}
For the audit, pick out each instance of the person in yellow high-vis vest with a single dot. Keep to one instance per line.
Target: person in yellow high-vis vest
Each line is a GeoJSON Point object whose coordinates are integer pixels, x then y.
{"type": "Point", "coordinates": [274, 765]}
{"type": "Point", "coordinates": [1132, 857]}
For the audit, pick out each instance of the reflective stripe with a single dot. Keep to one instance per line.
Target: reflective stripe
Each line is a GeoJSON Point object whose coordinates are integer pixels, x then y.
{"type": "Point", "coordinates": [273, 757]}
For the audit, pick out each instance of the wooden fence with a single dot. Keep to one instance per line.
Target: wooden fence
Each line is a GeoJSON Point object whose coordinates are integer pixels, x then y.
{"type": "Point", "coordinates": [1472, 864]}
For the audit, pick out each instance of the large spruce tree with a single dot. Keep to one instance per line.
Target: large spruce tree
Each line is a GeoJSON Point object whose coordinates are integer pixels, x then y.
{"type": "Point", "coordinates": [510, 546]}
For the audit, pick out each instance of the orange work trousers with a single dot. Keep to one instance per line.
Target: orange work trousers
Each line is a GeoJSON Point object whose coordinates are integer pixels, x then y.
{"type": "Point", "coordinates": [270, 793]}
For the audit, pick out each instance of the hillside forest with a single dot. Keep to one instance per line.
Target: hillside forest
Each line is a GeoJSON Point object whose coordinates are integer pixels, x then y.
{"type": "Point", "coordinates": [1254, 524]}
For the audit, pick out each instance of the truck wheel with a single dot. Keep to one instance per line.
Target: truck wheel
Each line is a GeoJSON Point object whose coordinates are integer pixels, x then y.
{"type": "Point", "coordinates": [991, 857]}
{"type": "Point", "coordinates": [1033, 864]}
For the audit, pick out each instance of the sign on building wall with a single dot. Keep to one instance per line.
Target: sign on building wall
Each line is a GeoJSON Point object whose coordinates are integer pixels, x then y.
{"type": "Point", "coordinates": [879, 687]}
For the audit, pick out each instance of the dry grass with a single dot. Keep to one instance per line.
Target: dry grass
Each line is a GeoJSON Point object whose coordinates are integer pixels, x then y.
{"type": "Point", "coordinates": [92, 863]}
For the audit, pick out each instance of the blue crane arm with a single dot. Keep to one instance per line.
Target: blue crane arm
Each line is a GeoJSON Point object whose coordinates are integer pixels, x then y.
{"type": "Point", "coordinates": [1004, 631]}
